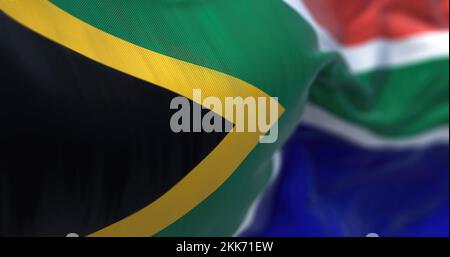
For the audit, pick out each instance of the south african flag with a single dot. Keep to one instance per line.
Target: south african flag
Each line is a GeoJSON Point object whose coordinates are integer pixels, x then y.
{"type": "Point", "coordinates": [85, 139]}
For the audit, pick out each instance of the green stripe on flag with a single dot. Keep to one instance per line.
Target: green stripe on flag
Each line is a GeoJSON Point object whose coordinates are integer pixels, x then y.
{"type": "Point", "coordinates": [392, 102]}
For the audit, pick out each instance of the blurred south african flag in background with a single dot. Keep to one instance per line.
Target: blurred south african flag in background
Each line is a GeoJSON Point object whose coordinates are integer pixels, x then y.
{"type": "Point", "coordinates": [371, 154]}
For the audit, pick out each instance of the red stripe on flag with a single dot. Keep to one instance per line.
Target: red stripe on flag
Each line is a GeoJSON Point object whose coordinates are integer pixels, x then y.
{"type": "Point", "coordinates": [358, 21]}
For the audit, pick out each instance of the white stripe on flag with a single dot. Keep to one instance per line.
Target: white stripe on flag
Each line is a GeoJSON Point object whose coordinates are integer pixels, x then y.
{"type": "Point", "coordinates": [393, 53]}
{"type": "Point", "coordinates": [321, 119]}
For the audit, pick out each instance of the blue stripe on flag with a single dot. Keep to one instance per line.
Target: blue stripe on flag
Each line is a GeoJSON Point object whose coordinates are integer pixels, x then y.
{"type": "Point", "coordinates": [329, 187]}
